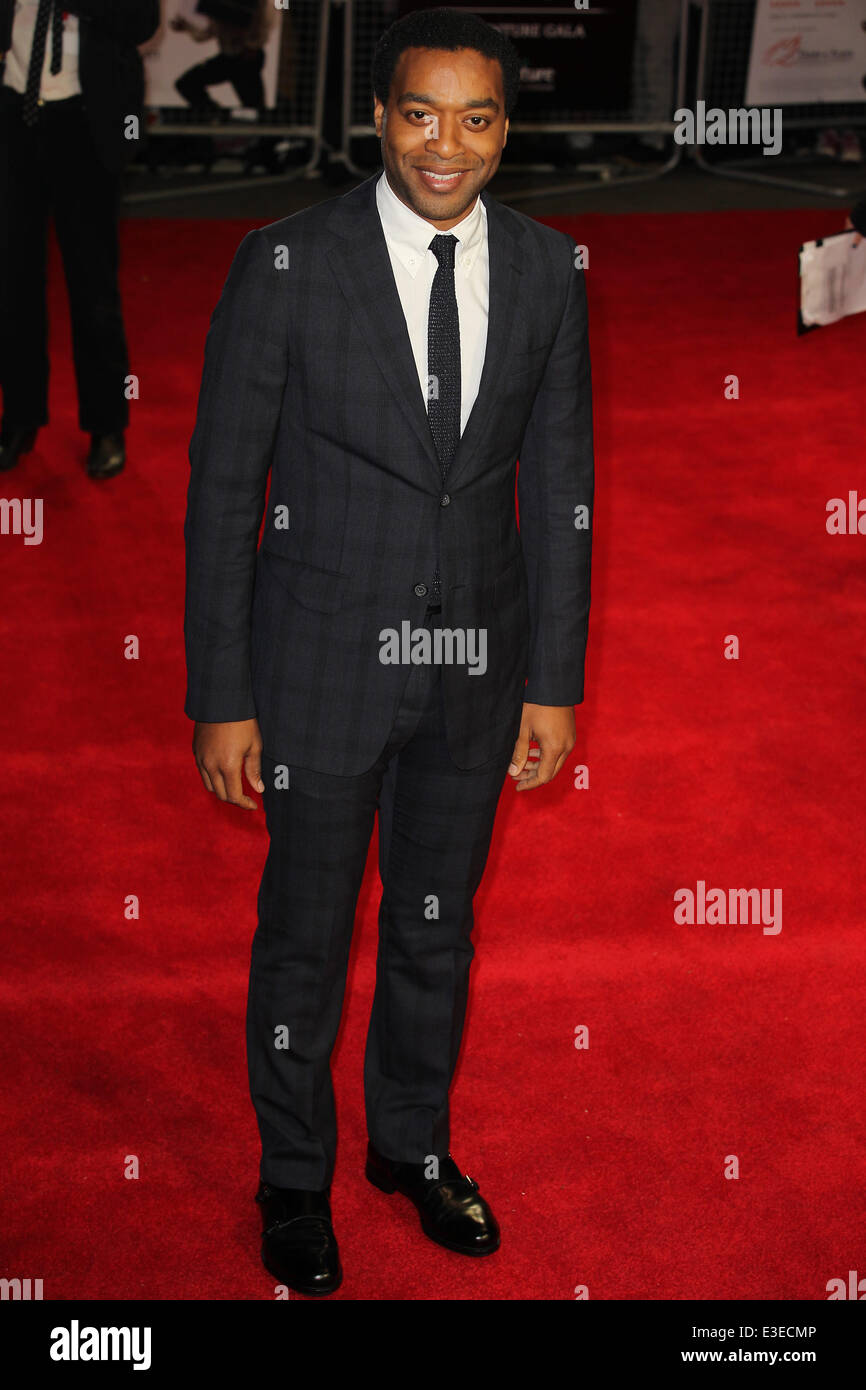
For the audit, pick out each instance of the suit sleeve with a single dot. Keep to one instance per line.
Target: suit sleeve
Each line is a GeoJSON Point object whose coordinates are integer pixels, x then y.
{"type": "Point", "coordinates": [555, 483]}
{"type": "Point", "coordinates": [245, 367]}
{"type": "Point", "coordinates": [133, 20]}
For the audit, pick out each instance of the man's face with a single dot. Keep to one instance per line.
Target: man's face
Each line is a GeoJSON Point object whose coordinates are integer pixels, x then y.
{"type": "Point", "coordinates": [443, 130]}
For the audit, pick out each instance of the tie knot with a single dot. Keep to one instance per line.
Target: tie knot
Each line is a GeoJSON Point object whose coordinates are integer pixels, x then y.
{"type": "Point", "coordinates": [444, 247]}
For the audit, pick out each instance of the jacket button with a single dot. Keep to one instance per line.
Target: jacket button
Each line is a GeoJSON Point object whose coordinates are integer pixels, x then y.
{"type": "Point", "coordinates": [444, 500]}
{"type": "Point", "coordinates": [420, 590]}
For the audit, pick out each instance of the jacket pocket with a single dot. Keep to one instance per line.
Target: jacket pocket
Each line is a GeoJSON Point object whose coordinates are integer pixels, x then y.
{"type": "Point", "coordinates": [322, 590]}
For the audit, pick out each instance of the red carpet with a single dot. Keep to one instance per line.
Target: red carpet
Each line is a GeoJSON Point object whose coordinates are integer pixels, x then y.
{"type": "Point", "coordinates": [606, 1165]}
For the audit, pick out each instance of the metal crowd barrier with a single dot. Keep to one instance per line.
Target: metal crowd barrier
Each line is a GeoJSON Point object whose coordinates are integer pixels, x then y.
{"type": "Point", "coordinates": [723, 64]}
{"type": "Point", "coordinates": [658, 89]}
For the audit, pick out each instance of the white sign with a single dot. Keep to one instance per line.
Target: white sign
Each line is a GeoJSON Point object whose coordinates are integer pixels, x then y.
{"type": "Point", "coordinates": [807, 51]}
{"type": "Point", "coordinates": [832, 279]}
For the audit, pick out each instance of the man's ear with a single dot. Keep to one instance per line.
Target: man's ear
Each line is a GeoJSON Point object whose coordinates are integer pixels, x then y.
{"type": "Point", "coordinates": [505, 136]}
{"type": "Point", "coordinates": [378, 115]}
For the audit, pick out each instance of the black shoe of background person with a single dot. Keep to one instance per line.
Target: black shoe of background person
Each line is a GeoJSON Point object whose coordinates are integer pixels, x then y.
{"type": "Point", "coordinates": [452, 1210]}
{"type": "Point", "coordinates": [299, 1247]}
{"type": "Point", "coordinates": [107, 455]}
{"type": "Point", "coordinates": [14, 443]}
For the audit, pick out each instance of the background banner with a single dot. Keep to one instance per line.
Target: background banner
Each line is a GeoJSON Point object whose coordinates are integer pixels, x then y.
{"type": "Point", "coordinates": [571, 60]}
{"type": "Point", "coordinates": [807, 52]}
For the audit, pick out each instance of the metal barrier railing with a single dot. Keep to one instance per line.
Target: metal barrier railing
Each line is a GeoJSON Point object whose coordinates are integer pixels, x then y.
{"type": "Point", "coordinates": [723, 62]}
{"type": "Point", "coordinates": [658, 88]}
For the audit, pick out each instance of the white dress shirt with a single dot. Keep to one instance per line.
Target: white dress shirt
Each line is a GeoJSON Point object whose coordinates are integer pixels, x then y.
{"type": "Point", "coordinates": [55, 86]}
{"type": "Point", "coordinates": [408, 238]}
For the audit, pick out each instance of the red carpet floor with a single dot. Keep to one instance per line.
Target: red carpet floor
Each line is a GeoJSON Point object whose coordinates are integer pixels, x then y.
{"type": "Point", "coordinates": [606, 1165]}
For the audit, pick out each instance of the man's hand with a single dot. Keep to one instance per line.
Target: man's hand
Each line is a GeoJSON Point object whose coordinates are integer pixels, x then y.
{"type": "Point", "coordinates": [552, 726]}
{"type": "Point", "coordinates": [223, 752]}
{"type": "Point", "coordinates": [849, 227]}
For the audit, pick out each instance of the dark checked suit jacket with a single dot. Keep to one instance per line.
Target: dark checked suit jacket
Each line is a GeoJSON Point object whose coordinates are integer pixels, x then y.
{"type": "Point", "coordinates": [109, 66]}
{"type": "Point", "coordinates": [308, 371]}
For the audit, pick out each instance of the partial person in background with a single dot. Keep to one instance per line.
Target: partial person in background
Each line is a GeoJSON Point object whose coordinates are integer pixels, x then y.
{"type": "Point", "coordinates": [857, 222]}
{"type": "Point", "coordinates": [240, 60]}
{"type": "Point", "coordinates": [71, 79]}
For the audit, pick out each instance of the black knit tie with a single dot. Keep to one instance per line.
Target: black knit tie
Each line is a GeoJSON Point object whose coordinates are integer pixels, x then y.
{"type": "Point", "coordinates": [443, 363]}
{"type": "Point", "coordinates": [37, 54]}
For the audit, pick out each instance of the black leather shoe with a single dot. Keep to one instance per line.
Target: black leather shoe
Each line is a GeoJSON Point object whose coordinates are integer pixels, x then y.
{"type": "Point", "coordinates": [452, 1210]}
{"type": "Point", "coordinates": [298, 1243]}
{"type": "Point", "coordinates": [14, 443]}
{"type": "Point", "coordinates": [107, 455]}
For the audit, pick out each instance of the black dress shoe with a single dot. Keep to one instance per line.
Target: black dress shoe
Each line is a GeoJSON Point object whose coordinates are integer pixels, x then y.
{"type": "Point", "coordinates": [14, 443]}
{"type": "Point", "coordinates": [107, 455]}
{"type": "Point", "coordinates": [298, 1243]}
{"type": "Point", "coordinates": [452, 1210]}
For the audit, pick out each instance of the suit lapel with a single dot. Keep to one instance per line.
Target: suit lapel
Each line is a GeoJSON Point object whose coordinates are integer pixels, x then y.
{"type": "Point", "coordinates": [503, 295]}
{"type": "Point", "coordinates": [362, 266]}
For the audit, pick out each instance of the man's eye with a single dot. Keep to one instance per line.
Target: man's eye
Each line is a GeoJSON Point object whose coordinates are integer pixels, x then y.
{"type": "Point", "coordinates": [480, 122]}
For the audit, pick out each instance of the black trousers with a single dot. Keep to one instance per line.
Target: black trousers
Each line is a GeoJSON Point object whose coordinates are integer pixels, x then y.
{"type": "Point", "coordinates": [435, 826]}
{"type": "Point", "coordinates": [243, 70]}
{"type": "Point", "coordinates": [53, 170]}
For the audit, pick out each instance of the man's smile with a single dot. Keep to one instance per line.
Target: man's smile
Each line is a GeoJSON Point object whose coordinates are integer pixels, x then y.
{"type": "Point", "coordinates": [440, 182]}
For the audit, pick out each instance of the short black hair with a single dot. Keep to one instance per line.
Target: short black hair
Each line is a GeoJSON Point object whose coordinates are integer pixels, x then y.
{"type": "Point", "coordinates": [449, 29]}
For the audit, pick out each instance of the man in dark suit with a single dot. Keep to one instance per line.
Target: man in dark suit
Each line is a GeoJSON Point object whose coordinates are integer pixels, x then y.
{"type": "Point", "coordinates": [396, 643]}
{"type": "Point", "coordinates": [71, 96]}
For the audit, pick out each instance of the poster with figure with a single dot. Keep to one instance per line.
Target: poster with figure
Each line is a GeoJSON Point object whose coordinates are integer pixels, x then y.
{"type": "Point", "coordinates": [206, 63]}
{"type": "Point", "coordinates": [808, 52]}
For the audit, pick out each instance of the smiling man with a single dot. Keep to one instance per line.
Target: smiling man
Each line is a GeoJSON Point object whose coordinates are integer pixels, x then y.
{"type": "Point", "coordinates": [388, 356]}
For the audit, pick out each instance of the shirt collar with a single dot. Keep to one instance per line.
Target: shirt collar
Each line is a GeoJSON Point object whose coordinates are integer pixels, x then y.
{"type": "Point", "coordinates": [409, 235]}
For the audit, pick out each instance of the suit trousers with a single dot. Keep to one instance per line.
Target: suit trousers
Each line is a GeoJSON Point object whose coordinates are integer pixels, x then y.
{"type": "Point", "coordinates": [53, 169]}
{"type": "Point", "coordinates": [435, 826]}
